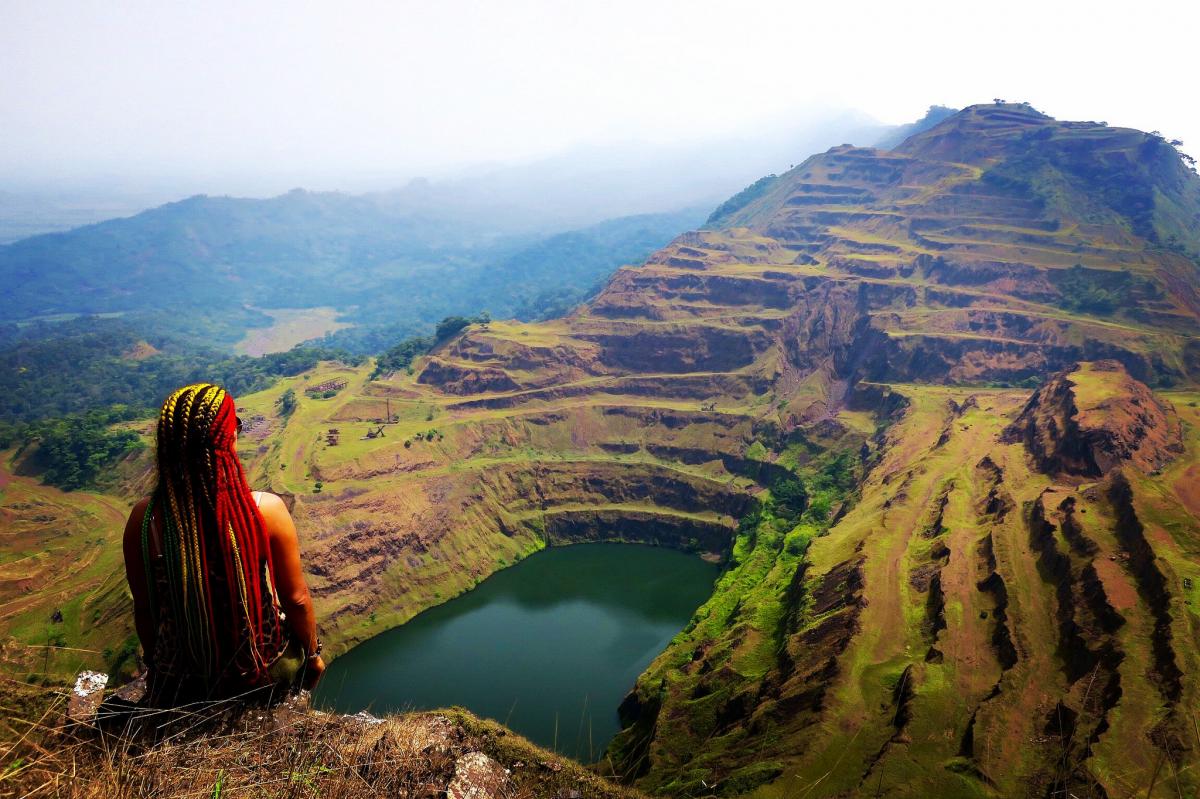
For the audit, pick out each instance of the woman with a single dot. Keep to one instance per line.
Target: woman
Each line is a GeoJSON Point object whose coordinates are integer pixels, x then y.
{"type": "Point", "coordinates": [219, 598]}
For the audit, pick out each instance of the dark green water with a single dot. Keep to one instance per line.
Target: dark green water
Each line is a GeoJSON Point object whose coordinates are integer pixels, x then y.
{"type": "Point", "coordinates": [549, 646]}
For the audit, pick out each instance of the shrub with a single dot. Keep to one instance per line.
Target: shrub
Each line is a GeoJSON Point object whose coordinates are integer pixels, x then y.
{"type": "Point", "coordinates": [790, 496]}
{"type": "Point", "coordinates": [286, 403]}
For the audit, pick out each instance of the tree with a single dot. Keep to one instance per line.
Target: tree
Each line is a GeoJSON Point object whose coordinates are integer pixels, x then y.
{"type": "Point", "coordinates": [286, 403]}
{"type": "Point", "coordinates": [74, 451]}
{"type": "Point", "coordinates": [449, 326]}
{"type": "Point", "coordinates": [790, 496]}
{"type": "Point", "coordinates": [402, 355]}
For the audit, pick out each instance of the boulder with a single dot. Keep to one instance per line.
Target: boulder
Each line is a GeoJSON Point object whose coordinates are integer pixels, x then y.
{"type": "Point", "coordinates": [477, 776]}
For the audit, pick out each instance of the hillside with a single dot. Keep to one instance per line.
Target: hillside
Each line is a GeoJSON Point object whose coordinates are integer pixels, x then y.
{"type": "Point", "coordinates": [829, 388]}
{"type": "Point", "coordinates": [206, 269]}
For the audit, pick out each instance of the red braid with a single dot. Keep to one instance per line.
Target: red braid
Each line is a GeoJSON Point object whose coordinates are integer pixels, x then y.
{"type": "Point", "coordinates": [219, 569]}
{"type": "Point", "coordinates": [244, 546]}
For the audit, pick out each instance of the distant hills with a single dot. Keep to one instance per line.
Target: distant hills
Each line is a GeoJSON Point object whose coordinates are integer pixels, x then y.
{"type": "Point", "coordinates": [392, 262]}
{"type": "Point", "coordinates": [572, 189]}
{"type": "Point", "coordinates": [205, 259]}
{"type": "Point", "coordinates": [182, 283]}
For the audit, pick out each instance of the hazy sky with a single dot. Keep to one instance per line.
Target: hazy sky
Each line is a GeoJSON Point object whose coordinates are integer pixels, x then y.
{"type": "Point", "coordinates": [307, 90]}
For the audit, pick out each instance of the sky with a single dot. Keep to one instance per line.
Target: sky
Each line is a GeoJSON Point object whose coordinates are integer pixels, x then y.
{"type": "Point", "coordinates": [318, 93]}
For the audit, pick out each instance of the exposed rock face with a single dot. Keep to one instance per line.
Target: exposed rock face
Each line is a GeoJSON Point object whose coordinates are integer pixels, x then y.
{"type": "Point", "coordinates": [466, 380]}
{"type": "Point", "coordinates": [477, 776]}
{"type": "Point", "coordinates": [1091, 419]}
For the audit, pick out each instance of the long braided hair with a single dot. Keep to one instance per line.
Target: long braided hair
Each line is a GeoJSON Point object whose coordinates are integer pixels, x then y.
{"type": "Point", "coordinates": [214, 543]}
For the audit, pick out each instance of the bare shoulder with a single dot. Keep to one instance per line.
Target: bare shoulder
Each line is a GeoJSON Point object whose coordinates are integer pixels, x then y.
{"type": "Point", "coordinates": [273, 503]}
{"type": "Point", "coordinates": [275, 513]}
{"type": "Point", "coordinates": [280, 527]}
{"type": "Point", "coordinates": [133, 527]}
{"type": "Point", "coordinates": [139, 511]}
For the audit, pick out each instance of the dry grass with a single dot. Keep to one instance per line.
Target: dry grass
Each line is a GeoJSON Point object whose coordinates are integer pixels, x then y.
{"type": "Point", "coordinates": [217, 750]}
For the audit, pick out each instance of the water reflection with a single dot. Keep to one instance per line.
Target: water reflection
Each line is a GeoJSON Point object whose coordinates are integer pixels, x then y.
{"type": "Point", "coordinates": [550, 645]}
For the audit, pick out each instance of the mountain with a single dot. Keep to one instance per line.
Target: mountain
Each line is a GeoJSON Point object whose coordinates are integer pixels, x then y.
{"type": "Point", "coordinates": [203, 268]}
{"type": "Point", "coordinates": [937, 581]}
{"type": "Point", "coordinates": [946, 605]}
{"type": "Point", "coordinates": [391, 262]}
{"type": "Point", "coordinates": [901, 133]}
{"type": "Point", "coordinates": [575, 188]}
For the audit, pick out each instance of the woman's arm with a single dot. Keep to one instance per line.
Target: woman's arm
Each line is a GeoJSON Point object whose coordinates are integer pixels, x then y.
{"type": "Point", "coordinates": [135, 573]}
{"type": "Point", "coordinates": [289, 581]}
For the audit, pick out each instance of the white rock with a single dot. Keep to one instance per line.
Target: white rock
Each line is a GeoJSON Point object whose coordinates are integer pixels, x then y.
{"type": "Point", "coordinates": [477, 776]}
{"type": "Point", "coordinates": [366, 718]}
{"type": "Point", "coordinates": [89, 682]}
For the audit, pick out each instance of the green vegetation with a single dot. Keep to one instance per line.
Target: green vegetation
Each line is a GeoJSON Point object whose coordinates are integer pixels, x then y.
{"type": "Point", "coordinates": [790, 497]}
{"type": "Point", "coordinates": [736, 642]}
{"type": "Point", "coordinates": [1101, 292]}
{"type": "Point", "coordinates": [831, 478]}
{"type": "Point", "coordinates": [402, 355]}
{"type": "Point", "coordinates": [72, 452]}
{"type": "Point", "coordinates": [112, 363]}
{"type": "Point", "coordinates": [286, 403]}
{"type": "Point", "coordinates": [740, 200]}
{"type": "Point", "coordinates": [451, 325]}
{"type": "Point", "coordinates": [1136, 175]}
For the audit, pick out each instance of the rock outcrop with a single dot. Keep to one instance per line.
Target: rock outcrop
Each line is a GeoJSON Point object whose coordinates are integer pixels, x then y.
{"type": "Point", "coordinates": [1094, 418]}
{"type": "Point", "coordinates": [287, 750]}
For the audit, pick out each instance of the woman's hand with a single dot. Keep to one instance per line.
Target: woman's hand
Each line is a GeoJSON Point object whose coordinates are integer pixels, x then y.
{"type": "Point", "coordinates": [313, 669]}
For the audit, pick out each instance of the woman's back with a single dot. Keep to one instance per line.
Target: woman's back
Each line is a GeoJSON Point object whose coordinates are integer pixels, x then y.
{"type": "Point", "coordinates": [219, 598]}
{"type": "Point", "coordinates": [173, 674]}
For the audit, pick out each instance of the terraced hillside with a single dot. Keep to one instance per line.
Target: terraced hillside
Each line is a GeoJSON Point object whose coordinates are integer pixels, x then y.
{"type": "Point", "coordinates": [933, 585]}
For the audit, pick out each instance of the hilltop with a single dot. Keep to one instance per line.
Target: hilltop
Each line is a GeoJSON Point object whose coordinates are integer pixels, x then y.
{"type": "Point", "coordinates": [829, 389]}
{"type": "Point", "coordinates": [1097, 418]}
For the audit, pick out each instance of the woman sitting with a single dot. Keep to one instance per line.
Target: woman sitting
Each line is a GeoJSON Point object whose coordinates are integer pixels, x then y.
{"type": "Point", "coordinates": [219, 598]}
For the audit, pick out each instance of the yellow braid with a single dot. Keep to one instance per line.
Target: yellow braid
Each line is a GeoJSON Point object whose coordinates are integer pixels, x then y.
{"type": "Point", "coordinates": [200, 482]}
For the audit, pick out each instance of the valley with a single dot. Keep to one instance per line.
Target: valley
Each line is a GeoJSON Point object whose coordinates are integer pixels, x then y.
{"type": "Point", "coordinates": [932, 409]}
{"type": "Point", "coordinates": [289, 327]}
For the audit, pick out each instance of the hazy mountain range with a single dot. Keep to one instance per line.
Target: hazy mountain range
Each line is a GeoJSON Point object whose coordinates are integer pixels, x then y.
{"type": "Point", "coordinates": [391, 261]}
